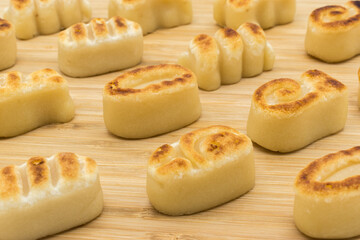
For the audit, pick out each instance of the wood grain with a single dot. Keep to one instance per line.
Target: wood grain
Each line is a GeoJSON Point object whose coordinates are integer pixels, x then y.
{"type": "Point", "coordinates": [263, 213]}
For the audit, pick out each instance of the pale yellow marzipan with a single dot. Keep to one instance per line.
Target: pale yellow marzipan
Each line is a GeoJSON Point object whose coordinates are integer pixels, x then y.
{"type": "Point", "coordinates": [286, 115]}
{"type": "Point", "coordinates": [41, 17]}
{"type": "Point", "coordinates": [205, 168]}
{"type": "Point", "coordinates": [153, 14]}
{"type": "Point", "coordinates": [45, 196]}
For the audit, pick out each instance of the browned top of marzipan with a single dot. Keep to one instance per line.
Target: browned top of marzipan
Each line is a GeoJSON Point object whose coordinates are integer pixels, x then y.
{"type": "Point", "coordinates": [306, 180]}
{"type": "Point", "coordinates": [9, 187]}
{"type": "Point", "coordinates": [69, 165]}
{"type": "Point", "coordinates": [229, 33]}
{"type": "Point", "coordinates": [4, 25]}
{"type": "Point", "coordinates": [13, 81]}
{"type": "Point", "coordinates": [336, 12]}
{"type": "Point", "coordinates": [322, 84]}
{"type": "Point", "coordinates": [254, 30]}
{"type": "Point", "coordinates": [239, 3]}
{"type": "Point", "coordinates": [205, 44]}
{"type": "Point", "coordinates": [38, 173]}
{"type": "Point", "coordinates": [230, 38]}
{"type": "Point", "coordinates": [218, 143]}
{"type": "Point", "coordinates": [179, 76]}
{"type": "Point", "coordinates": [99, 28]}
{"type": "Point", "coordinates": [20, 4]}
{"type": "Point", "coordinates": [131, 1]}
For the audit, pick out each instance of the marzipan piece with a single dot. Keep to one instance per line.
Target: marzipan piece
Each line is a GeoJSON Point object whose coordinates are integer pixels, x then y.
{"type": "Point", "coordinates": [153, 14]}
{"type": "Point", "coordinates": [35, 17]}
{"type": "Point", "coordinates": [45, 196]}
{"type": "Point", "coordinates": [205, 168]}
{"type": "Point", "coordinates": [333, 32]}
{"type": "Point", "coordinates": [267, 13]}
{"type": "Point", "coordinates": [7, 44]}
{"type": "Point", "coordinates": [151, 100]}
{"type": "Point", "coordinates": [229, 56]}
{"type": "Point", "coordinates": [28, 102]}
{"type": "Point", "coordinates": [286, 115]}
{"type": "Point", "coordinates": [327, 196]}
{"type": "Point", "coordinates": [100, 47]}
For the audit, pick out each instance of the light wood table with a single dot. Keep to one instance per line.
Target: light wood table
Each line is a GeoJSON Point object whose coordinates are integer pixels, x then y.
{"type": "Point", "coordinates": [263, 213]}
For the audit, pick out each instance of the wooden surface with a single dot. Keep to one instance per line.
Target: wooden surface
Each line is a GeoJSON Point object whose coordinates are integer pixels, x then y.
{"type": "Point", "coordinates": [263, 213]}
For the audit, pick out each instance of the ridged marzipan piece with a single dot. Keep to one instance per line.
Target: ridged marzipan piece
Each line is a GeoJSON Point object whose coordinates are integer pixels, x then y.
{"type": "Point", "coordinates": [267, 13]}
{"type": "Point", "coordinates": [28, 102]}
{"type": "Point", "coordinates": [45, 196]}
{"type": "Point", "coordinates": [229, 56]}
{"type": "Point", "coordinates": [8, 47]}
{"type": "Point", "coordinates": [99, 47]}
{"type": "Point", "coordinates": [40, 17]}
{"type": "Point", "coordinates": [153, 14]}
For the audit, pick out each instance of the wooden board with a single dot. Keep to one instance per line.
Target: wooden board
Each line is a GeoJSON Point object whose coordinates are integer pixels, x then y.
{"type": "Point", "coordinates": [263, 213]}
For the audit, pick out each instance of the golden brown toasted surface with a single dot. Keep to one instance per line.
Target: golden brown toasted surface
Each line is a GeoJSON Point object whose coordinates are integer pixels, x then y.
{"type": "Point", "coordinates": [13, 81]}
{"type": "Point", "coordinates": [204, 43]}
{"type": "Point", "coordinates": [4, 25]}
{"type": "Point", "coordinates": [205, 49]}
{"type": "Point", "coordinates": [239, 3]}
{"type": "Point", "coordinates": [121, 24]}
{"type": "Point", "coordinates": [160, 153]}
{"type": "Point", "coordinates": [307, 180]}
{"type": "Point", "coordinates": [91, 165]}
{"type": "Point", "coordinates": [38, 170]}
{"type": "Point", "coordinates": [216, 142]}
{"type": "Point", "coordinates": [69, 165]}
{"type": "Point", "coordinates": [198, 148]}
{"type": "Point", "coordinates": [78, 31]}
{"type": "Point", "coordinates": [48, 75]}
{"type": "Point", "coordinates": [99, 27]}
{"type": "Point", "coordinates": [221, 143]}
{"type": "Point", "coordinates": [20, 4]}
{"type": "Point", "coordinates": [255, 31]}
{"type": "Point", "coordinates": [176, 166]}
{"type": "Point", "coordinates": [178, 74]}
{"type": "Point", "coordinates": [229, 33]}
{"type": "Point", "coordinates": [287, 91]}
{"type": "Point", "coordinates": [232, 39]}
{"type": "Point", "coordinates": [9, 187]}
{"type": "Point", "coordinates": [336, 17]}
{"type": "Point", "coordinates": [327, 83]}
{"type": "Point", "coordinates": [131, 1]}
